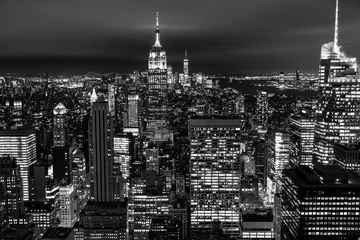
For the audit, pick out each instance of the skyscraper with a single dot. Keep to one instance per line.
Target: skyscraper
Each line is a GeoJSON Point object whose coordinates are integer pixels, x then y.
{"type": "Point", "coordinates": [278, 160]}
{"type": "Point", "coordinates": [302, 129]}
{"type": "Point", "coordinates": [157, 83]}
{"type": "Point", "coordinates": [20, 143]}
{"type": "Point", "coordinates": [215, 174]}
{"type": "Point", "coordinates": [10, 189]}
{"type": "Point", "coordinates": [59, 125]}
{"type": "Point", "coordinates": [133, 110]}
{"type": "Point", "coordinates": [321, 203]}
{"type": "Point", "coordinates": [262, 108]}
{"type": "Point", "coordinates": [186, 66]}
{"type": "Point", "coordinates": [337, 118]}
{"type": "Point", "coordinates": [67, 205]}
{"type": "Point", "coordinates": [101, 152]}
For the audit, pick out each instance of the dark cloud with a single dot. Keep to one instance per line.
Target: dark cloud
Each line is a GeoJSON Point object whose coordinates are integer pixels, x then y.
{"type": "Point", "coordinates": [231, 36]}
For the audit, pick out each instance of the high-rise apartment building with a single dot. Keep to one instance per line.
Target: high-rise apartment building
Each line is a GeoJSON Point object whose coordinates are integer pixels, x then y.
{"type": "Point", "coordinates": [337, 110]}
{"type": "Point", "coordinates": [157, 83]}
{"type": "Point", "coordinates": [302, 130]}
{"type": "Point", "coordinates": [320, 203]}
{"type": "Point", "coordinates": [215, 174]}
{"type": "Point", "coordinates": [20, 143]}
{"type": "Point", "coordinates": [101, 152]}
{"type": "Point", "coordinates": [59, 129]}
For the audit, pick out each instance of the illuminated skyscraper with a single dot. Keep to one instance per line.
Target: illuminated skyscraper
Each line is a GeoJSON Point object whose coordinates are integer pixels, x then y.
{"type": "Point", "coordinates": [10, 189]}
{"type": "Point", "coordinates": [101, 152]}
{"type": "Point", "coordinates": [186, 66]}
{"type": "Point", "coordinates": [302, 130]}
{"type": "Point", "coordinates": [133, 110]}
{"type": "Point", "coordinates": [348, 156]}
{"type": "Point", "coordinates": [278, 160]}
{"type": "Point", "coordinates": [262, 108]}
{"type": "Point", "coordinates": [67, 205]}
{"type": "Point", "coordinates": [93, 96]}
{"type": "Point", "coordinates": [20, 143]}
{"type": "Point", "coordinates": [59, 125]}
{"type": "Point", "coordinates": [322, 203]}
{"type": "Point", "coordinates": [337, 118]}
{"type": "Point", "coordinates": [215, 174]}
{"type": "Point", "coordinates": [157, 83]}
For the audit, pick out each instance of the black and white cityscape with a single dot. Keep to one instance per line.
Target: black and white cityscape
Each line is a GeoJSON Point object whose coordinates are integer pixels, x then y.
{"type": "Point", "coordinates": [253, 133]}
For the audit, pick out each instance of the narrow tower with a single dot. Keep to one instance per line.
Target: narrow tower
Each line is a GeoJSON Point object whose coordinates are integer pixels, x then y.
{"type": "Point", "coordinates": [336, 33]}
{"type": "Point", "coordinates": [186, 65]}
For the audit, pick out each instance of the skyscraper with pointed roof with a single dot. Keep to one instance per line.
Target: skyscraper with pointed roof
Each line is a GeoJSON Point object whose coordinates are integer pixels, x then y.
{"type": "Point", "coordinates": [59, 125]}
{"type": "Point", "coordinates": [337, 119]}
{"type": "Point", "coordinates": [157, 84]}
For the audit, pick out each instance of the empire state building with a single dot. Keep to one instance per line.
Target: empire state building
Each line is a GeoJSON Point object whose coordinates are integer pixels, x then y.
{"type": "Point", "coordinates": [157, 84]}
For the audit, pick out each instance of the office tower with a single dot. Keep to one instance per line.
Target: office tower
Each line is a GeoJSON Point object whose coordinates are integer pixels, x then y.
{"type": "Point", "coordinates": [165, 227]}
{"type": "Point", "coordinates": [302, 130]}
{"type": "Point", "coordinates": [123, 145]}
{"type": "Point", "coordinates": [278, 160]}
{"type": "Point", "coordinates": [11, 195]}
{"type": "Point", "coordinates": [320, 203]}
{"type": "Point", "coordinates": [13, 112]}
{"type": "Point", "coordinates": [101, 137]}
{"type": "Point", "coordinates": [186, 66]}
{"type": "Point", "coordinates": [240, 105]}
{"type": "Point", "coordinates": [3, 222]}
{"type": "Point", "coordinates": [262, 108]}
{"type": "Point", "coordinates": [104, 221]}
{"type": "Point", "coordinates": [43, 187]}
{"type": "Point", "coordinates": [20, 143]}
{"type": "Point", "coordinates": [157, 83]}
{"type": "Point", "coordinates": [257, 224]}
{"type": "Point", "coordinates": [348, 156]}
{"type": "Point", "coordinates": [93, 97]}
{"type": "Point", "coordinates": [133, 110]}
{"type": "Point", "coordinates": [215, 174]}
{"type": "Point", "coordinates": [62, 164]}
{"type": "Point", "coordinates": [179, 210]}
{"type": "Point", "coordinates": [67, 205]}
{"type": "Point", "coordinates": [59, 129]}
{"type": "Point", "coordinates": [146, 201]}
{"type": "Point", "coordinates": [339, 97]}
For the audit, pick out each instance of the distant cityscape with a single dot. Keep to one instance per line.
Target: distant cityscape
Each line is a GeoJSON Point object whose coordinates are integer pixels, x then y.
{"type": "Point", "coordinates": [160, 155]}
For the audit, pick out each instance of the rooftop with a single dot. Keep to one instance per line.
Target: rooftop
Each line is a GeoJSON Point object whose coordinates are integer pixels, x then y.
{"type": "Point", "coordinates": [106, 208]}
{"type": "Point", "coordinates": [57, 233]}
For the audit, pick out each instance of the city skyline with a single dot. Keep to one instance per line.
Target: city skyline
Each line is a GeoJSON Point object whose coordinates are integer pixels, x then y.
{"type": "Point", "coordinates": [85, 40]}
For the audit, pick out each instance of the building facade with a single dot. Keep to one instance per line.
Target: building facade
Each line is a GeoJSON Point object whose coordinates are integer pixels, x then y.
{"type": "Point", "coordinates": [215, 174]}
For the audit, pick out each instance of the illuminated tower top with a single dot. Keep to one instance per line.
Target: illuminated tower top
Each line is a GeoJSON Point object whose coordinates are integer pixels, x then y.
{"type": "Point", "coordinates": [59, 109]}
{"type": "Point", "coordinates": [157, 32]}
{"type": "Point", "coordinates": [157, 56]}
{"type": "Point", "coordinates": [93, 96]}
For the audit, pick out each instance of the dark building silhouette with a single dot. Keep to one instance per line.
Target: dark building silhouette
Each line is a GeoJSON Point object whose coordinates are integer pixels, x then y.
{"type": "Point", "coordinates": [320, 203]}
{"type": "Point", "coordinates": [62, 164]}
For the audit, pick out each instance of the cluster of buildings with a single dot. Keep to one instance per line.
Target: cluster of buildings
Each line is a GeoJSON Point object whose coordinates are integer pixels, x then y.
{"type": "Point", "coordinates": [157, 155]}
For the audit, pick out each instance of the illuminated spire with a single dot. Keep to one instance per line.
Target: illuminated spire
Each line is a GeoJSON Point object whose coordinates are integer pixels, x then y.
{"type": "Point", "coordinates": [336, 34]}
{"type": "Point", "coordinates": [93, 97]}
{"type": "Point", "coordinates": [157, 32]}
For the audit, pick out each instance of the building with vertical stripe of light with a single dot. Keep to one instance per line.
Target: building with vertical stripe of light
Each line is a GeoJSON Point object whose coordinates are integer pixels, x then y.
{"type": "Point", "coordinates": [215, 174]}
{"type": "Point", "coordinates": [20, 143]}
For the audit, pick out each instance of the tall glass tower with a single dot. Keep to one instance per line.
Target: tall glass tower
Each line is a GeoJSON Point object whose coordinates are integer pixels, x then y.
{"type": "Point", "coordinates": [337, 118]}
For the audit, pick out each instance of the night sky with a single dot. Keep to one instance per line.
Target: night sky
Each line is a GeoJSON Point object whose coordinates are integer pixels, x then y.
{"type": "Point", "coordinates": [229, 36]}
